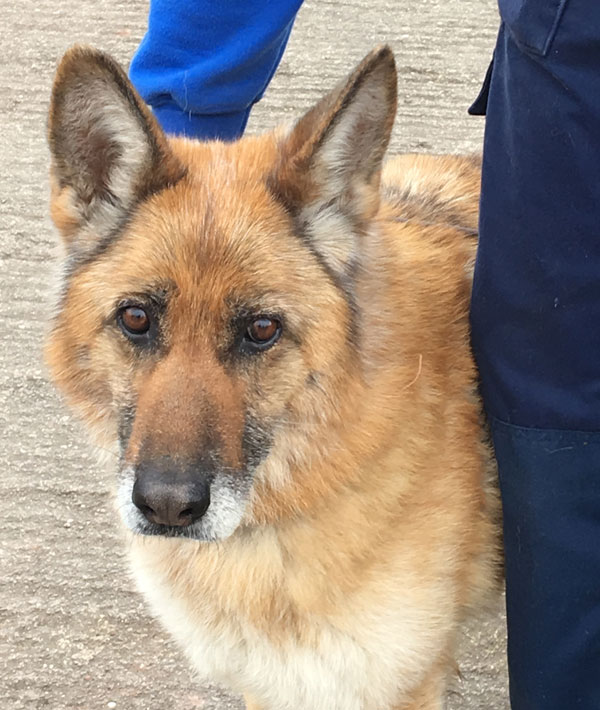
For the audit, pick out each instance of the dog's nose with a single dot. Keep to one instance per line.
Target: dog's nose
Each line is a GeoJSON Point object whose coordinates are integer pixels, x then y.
{"type": "Point", "coordinates": [176, 503]}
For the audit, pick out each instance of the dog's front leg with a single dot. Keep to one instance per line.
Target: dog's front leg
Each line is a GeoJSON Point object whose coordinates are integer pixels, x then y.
{"type": "Point", "coordinates": [429, 695]}
{"type": "Point", "coordinates": [427, 701]}
{"type": "Point", "coordinates": [424, 703]}
{"type": "Point", "coordinates": [251, 704]}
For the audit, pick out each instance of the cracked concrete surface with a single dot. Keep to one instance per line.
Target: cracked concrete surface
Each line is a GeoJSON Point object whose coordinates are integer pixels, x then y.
{"type": "Point", "coordinates": [74, 633]}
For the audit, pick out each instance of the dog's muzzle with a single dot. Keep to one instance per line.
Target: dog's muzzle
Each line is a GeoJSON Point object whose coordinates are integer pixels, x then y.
{"type": "Point", "coordinates": [168, 497]}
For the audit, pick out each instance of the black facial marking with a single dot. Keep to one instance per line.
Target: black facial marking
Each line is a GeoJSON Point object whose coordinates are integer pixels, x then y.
{"type": "Point", "coordinates": [257, 440]}
{"type": "Point", "coordinates": [125, 426]}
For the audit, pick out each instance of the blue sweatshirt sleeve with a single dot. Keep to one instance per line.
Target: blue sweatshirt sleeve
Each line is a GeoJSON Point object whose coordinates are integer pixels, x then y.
{"type": "Point", "coordinates": [203, 63]}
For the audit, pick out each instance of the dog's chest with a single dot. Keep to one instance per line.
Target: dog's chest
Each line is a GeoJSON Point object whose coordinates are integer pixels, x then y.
{"type": "Point", "coordinates": [363, 658]}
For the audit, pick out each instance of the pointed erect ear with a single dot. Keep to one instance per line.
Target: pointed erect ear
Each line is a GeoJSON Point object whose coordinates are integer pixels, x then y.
{"type": "Point", "coordinates": [108, 152]}
{"type": "Point", "coordinates": [330, 166]}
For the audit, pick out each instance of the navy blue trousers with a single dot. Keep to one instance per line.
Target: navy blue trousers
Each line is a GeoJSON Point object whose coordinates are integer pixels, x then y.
{"type": "Point", "coordinates": [536, 337]}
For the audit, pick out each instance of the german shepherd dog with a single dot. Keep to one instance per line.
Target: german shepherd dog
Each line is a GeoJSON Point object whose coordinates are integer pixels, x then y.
{"type": "Point", "coordinates": [273, 335]}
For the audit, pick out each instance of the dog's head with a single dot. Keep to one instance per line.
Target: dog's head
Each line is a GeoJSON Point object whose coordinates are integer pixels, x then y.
{"type": "Point", "coordinates": [208, 322]}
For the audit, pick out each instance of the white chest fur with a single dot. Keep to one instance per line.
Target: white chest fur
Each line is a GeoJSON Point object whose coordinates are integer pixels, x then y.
{"type": "Point", "coordinates": [366, 658]}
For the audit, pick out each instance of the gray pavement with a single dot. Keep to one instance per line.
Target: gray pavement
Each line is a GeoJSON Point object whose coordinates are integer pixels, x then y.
{"type": "Point", "coordinates": [73, 632]}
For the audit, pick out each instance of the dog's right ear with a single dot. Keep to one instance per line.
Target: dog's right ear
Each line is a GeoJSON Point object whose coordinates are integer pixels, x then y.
{"type": "Point", "coordinates": [108, 151]}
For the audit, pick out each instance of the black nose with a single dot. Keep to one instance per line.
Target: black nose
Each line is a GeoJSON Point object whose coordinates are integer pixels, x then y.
{"type": "Point", "coordinates": [170, 502]}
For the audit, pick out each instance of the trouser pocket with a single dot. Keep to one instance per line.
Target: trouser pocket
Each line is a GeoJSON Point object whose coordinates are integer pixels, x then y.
{"type": "Point", "coordinates": [532, 23]}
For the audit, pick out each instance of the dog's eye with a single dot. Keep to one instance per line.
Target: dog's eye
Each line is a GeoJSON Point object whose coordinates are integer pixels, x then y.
{"type": "Point", "coordinates": [134, 321]}
{"type": "Point", "coordinates": [263, 332]}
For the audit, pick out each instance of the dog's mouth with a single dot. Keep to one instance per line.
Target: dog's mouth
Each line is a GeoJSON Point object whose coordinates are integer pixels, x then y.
{"type": "Point", "coordinates": [229, 497]}
{"type": "Point", "coordinates": [189, 532]}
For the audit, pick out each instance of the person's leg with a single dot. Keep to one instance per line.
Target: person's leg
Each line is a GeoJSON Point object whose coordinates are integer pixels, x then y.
{"type": "Point", "coordinates": [536, 338]}
{"type": "Point", "coordinates": [202, 64]}
{"type": "Point", "coordinates": [550, 483]}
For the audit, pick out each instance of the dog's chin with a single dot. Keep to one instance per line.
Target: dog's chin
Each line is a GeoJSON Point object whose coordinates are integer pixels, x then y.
{"type": "Point", "coordinates": [200, 533]}
{"type": "Point", "coordinates": [220, 521]}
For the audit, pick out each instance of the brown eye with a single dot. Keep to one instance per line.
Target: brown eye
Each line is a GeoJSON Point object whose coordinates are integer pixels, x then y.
{"type": "Point", "coordinates": [263, 332]}
{"type": "Point", "coordinates": [134, 320]}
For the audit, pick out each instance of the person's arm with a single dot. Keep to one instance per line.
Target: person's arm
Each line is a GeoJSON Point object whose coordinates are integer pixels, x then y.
{"type": "Point", "coordinates": [203, 64]}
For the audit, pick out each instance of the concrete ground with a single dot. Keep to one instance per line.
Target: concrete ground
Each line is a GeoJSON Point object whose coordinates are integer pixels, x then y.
{"type": "Point", "coordinates": [74, 633]}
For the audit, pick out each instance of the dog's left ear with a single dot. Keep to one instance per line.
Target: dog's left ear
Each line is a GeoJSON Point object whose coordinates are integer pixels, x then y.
{"type": "Point", "coordinates": [108, 151]}
{"type": "Point", "coordinates": [330, 167]}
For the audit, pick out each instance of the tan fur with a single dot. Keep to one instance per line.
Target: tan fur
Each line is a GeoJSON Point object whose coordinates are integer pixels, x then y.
{"type": "Point", "coordinates": [370, 529]}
